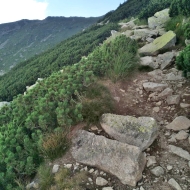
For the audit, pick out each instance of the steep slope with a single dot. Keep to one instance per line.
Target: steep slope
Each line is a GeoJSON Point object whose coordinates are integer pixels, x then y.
{"type": "Point", "coordinates": [25, 38]}
{"type": "Point", "coordinates": [67, 52]}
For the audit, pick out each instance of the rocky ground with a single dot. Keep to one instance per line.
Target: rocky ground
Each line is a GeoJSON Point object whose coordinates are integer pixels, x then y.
{"type": "Point", "coordinates": [163, 165]}
{"type": "Point", "coordinates": [162, 94]}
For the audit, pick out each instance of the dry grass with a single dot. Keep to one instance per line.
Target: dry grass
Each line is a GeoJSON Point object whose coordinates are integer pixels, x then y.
{"type": "Point", "coordinates": [65, 181]}
{"type": "Point", "coordinates": [55, 144]}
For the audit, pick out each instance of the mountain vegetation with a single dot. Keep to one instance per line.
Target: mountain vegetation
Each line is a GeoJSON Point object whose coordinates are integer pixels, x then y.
{"type": "Point", "coordinates": [54, 105]}
{"type": "Point", "coordinates": [35, 126]}
{"type": "Point", "coordinates": [67, 52]}
{"type": "Point", "coordinates": [23, 39]}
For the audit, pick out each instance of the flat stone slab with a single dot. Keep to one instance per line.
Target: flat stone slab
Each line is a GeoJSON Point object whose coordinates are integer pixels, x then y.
{"type": "Point", "coordinates": [167, 40]}
{"type": "Point", "coordinates": [154, 87]}
{"type": "Point", "coordinates": [179, 152]}
{"type": "Point", "coordinates": [140, 132]}
{"type": "Point", "coordinates": [179, 123]}
{"type": "Point", "coordinates": [120, 159]}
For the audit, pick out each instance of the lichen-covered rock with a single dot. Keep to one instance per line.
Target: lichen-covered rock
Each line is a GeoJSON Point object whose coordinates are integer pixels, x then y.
{"type": "Point", "coordinates": [140, 132]}
{"type": "Point", "coordinates": [165, 41]}
{"type": "Point", "coordinates": [120, 159]}
{"type": "Point", "coordinates": [159, 19]}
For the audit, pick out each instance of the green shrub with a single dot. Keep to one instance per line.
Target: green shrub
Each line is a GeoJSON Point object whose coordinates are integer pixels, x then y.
{"type": "Point", "coordinates": [45, 176]}
{"type": "Point", "coordinates": [141, 22]}
{"type": "Point", "coordinates": [183, 61]}
{"type": "Point", "coordinates": [187, 30]}
{"type": "Point", "coordinates": [152, 7]}
{"type": "Point", "coordinates": [176, 24]}
{"type": "Point", "coordinates": [53, 105]}
{"type": "Point", "coordinates": [179, 7]}
{"type": "Point", "coordinates": [122, 57]}
{"type": "Point", "coordinates": [96, 100]}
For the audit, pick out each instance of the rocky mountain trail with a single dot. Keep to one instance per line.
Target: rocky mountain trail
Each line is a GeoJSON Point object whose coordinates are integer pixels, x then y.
{"type": "Point", "coordinates": [145, 144]}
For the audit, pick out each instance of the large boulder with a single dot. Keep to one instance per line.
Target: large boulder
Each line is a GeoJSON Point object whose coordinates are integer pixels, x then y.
{"type": "Point", "coordinates": [120, 159]}
{"type": "Point", "coordinates": [149, 61]}
{"type": "Point", "coordinates": [144, 33]}
{"type": "Point", "coordinates": [140, 132]}
{"type": "Point", "coordinates": [163, 42]}
{"type": "Point", "coordinates": [159, 19]}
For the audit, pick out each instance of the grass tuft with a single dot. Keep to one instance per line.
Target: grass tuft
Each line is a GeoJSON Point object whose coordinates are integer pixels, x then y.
{"type": "Point", "coordinates": [55, 145]}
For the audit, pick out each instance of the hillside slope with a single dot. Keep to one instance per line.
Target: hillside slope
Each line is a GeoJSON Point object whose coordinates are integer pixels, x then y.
{"type": "Point", "coordinates": [23, 39]}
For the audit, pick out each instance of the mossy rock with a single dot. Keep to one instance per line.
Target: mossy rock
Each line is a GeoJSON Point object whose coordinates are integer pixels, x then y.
{"type": "Point", "coordinates": [166, 41]}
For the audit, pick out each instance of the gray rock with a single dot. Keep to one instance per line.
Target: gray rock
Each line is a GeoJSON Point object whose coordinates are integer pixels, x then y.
{"type": "Point", "coordinates": [101, 181]}
{"type": "Point", "coordinates": [166, 59]}
{"type": "Point", "coordinates": [174, 184]}
{"type": "Point", "coordinates": [150, 40]}
{"type": "Point", "coordinates": [161, 31]}
{"type": "Point", "coordinates": [33, 185]}
{"type": "Point", "coordinates": [107, 188]}
{"type": "Point", "coordinates": [179, 151]}
{"type": "Point", "coordinates": [68, 166]}
{"type": "Point", "coordinates": [174, 77]}
{"type": "Point", "coordinates": [164, 94]}
{"type": "Point", "coordinates": [157, 171]}
{"type": "Point", "coordinates": [143, 33]}
{"type": "Point", "coordinates": [173, 100]}
{"type": "Point", "coordinates": [128, 33]}
{"type": "Point", "coordinates": [113, 32]}
{"type": "Point", "coordinates": [183, 105]}
{"type": "Point", "coordinates": [181, 135]}
{"type": "Point", "coordinates": [156, 109]}
{"type": "Point", "coordinates": [154, 87]}
{"type": "Point", "coordinates": [159, 19]}
{"type": "Point", "coordinates": [179, 123]}
{"type": "Point", "coordinates": [165, 41]}
{"type": "Point", "coordinates": [149, 61]}
{"type": "Point", "coordinates": [156, 74]}
{"type": "Point", "coordinates": [55, 168]}
{"type": "Point", "coordinates": [122, 160]}
{"type": "Point", "coordinates": [151, 160]}
{"type": "Point", "coordinates": [140, 132]}
{"type": "Point", "coordinates": [169, 167]}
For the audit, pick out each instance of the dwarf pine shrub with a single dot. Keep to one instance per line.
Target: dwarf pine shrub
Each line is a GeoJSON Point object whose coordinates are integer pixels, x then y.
{"type": "Point", "coordinates": [183, 61]}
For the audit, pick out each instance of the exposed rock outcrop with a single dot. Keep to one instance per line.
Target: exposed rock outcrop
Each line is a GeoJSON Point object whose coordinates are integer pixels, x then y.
{"type": "Point", "coordinates": [159, 19]}
{"type": "Point", "coordinates": [165, 41]}
{"type": "Point", "coordinates": [140, 132]}
{"type": "Point", "coordinates": [120, 159]}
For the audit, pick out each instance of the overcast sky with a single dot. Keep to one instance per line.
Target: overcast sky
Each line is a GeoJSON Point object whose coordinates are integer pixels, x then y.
{"type": "Point", "coordinates": [13, 10]}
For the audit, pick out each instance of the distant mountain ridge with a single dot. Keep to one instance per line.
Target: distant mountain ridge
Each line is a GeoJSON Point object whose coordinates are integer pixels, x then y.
{"type": "Point", "coordinates": [23, 39]}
